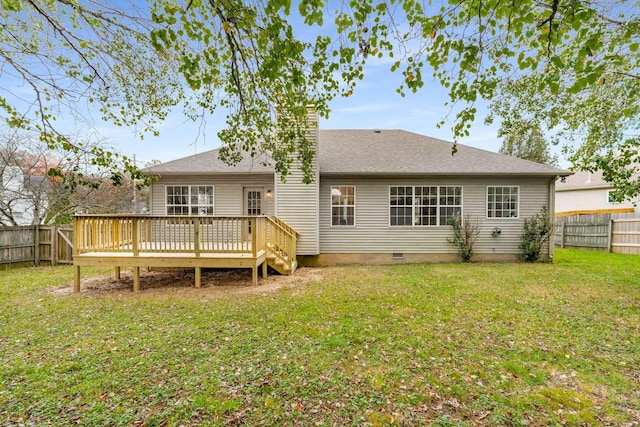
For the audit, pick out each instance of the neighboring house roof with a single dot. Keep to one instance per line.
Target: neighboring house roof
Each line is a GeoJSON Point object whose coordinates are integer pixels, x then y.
{"type": "Point", "coordinates": [39, 180]}
{"type": "Point", "coordinates": [376, 152]}
{"type": "Point", "coordinates": [583, 180]}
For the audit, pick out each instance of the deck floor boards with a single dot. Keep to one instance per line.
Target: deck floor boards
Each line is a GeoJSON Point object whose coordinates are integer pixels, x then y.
{"type": "Point", "coordinates": [188, 242]}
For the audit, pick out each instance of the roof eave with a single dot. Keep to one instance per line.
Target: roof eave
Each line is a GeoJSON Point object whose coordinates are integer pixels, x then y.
{"type": "Point", "coordinates": [591, 187]}
{"type": "Point", "coordinates": [381, 174]}
{"type": "Point", "coordinates": [174, 173]}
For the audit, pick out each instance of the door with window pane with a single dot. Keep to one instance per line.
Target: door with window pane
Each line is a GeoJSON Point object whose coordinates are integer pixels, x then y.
{"type": "Point", "coordinates": [253, 205]}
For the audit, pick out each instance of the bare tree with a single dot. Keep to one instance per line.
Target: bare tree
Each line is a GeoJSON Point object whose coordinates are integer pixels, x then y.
{"type": "Point", "coordinates": [42, 186]}
{"type": "Point", "coordinates": [24, 194]}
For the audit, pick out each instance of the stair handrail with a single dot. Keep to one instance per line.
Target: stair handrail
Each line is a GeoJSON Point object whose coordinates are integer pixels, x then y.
{"type": "Point", "coordinates": [286, 226]}
{"type": "Point", "coordinates": [284, 251]}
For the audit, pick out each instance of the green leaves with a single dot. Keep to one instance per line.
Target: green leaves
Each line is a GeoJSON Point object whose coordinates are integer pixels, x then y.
{"type": "Point", "coordinates": [312, 11]}
{"type": "Point", "coordinates": [12, 5]}
{"type": "Point", "coordinates": [537, 232]}
{"type": "Point", "coordinates": [526, 141]}
{"type": "Point", "coordinates": [68, 55]}
{"type": "Point", "coordinates": [578, 63]}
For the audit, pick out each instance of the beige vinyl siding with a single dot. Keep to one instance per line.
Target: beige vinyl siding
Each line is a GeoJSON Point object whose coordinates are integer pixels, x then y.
{"type": "Point", "coordinates": [228, 192]}
{"type": "Point", "coordinates": [373, 234]}
{"type": "Point", "coordinates": [297, 203]}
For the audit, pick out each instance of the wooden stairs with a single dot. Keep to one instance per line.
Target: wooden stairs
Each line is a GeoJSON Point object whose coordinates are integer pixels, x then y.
{"type": "Point", "coordinates": [281, 246]}
{"type": "Point", "coordinates": [280, 262]}
{"type": "Point", "coordinates": [280, 266]}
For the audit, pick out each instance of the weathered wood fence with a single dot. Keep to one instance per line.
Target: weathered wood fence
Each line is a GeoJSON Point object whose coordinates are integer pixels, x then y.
{"type": "Point", "coordinates": [619, 233]}
{"type": "Point", "coordinates": [51, 244]}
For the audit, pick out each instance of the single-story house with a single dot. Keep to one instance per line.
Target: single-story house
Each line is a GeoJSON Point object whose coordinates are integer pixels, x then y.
{"type": "Point", "coordinates": [588, 193]}
{"type": "Point", "coordinates": [379, 196]}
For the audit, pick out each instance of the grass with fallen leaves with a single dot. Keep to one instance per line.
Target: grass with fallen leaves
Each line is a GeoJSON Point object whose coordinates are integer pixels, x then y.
{"type": "Point", "coordinates": [439, 344]}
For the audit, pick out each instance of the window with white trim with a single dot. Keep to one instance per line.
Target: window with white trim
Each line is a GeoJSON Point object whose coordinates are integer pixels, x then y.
{"type": "Point", "coordinates": [426, 201]}
{"type": "Point", "coordinates": [343, 205]}
{"type": "Point", "coordinates": [189, 199]}
{"type": "Point", "coordinates": [450, 204]}
{"type": "Point", "coordinates": [401, 205]}
{"type": "Point", "coordinates": [423, 205]}
{"type": "Point", "coordinates": [503, 202]}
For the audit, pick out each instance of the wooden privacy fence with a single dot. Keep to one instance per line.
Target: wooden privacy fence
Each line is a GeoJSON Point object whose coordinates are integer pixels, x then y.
{"type": "Point", "coordinates": [619, 233]}
{"type": "Point", "coordinates": [36, 244]}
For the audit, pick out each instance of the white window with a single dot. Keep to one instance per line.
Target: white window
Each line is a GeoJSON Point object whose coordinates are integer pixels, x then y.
{"type": "Point", "coordinates": [423, 205]}
{"type": "Point", "coordinates": [401, 205]}
{"type": "Point", "coordinates": [503, 202]}
{"type": "Point", "coordinates": [189, 199]}
{"type": "Point", "coordinates": [426, 201]}
{"type": "Point", "coordinates": [450, 204]}
{"type": "Point", "coordinates": [343, 205]}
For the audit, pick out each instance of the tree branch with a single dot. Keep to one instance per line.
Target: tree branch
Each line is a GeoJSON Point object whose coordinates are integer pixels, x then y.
{"type": "Point", "coordinates": [549, 20]}
{"type": "Point", "coordinates": [57, 28]}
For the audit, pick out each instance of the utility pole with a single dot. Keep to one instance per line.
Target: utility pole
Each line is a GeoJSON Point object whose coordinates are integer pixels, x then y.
{"type": "Point", "coordinates": [135, 189]}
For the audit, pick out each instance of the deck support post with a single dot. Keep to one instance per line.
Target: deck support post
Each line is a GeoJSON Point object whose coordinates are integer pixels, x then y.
{"type": "Point", "coordinates": [264, 270]}
{"type": "Point", "coordinates": [198, 278]}
{"type": "Point", "coordinates": [136, 279]}
{"type": "Point", "coordinates": [254, 275]}
{"type": "Point", "coordinates": [118, 274]}
{"type": "Point", "coordinates": [76, 279]}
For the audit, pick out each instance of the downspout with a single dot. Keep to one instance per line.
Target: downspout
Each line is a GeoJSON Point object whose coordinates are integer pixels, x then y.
{"type": "Point", "coordinates": [275, 194]}
{"type": "Point", "coordinates": [552, 213]}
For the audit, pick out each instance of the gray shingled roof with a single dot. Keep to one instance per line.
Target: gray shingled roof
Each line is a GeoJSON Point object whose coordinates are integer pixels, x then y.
{"type": "Point", "coordinates": [209, 163]}
{"type": "Point", "coordinates": [378, 152]}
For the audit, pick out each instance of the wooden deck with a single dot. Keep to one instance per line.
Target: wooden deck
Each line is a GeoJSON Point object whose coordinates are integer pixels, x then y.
{"type": "Point", "coordinates": [138, 241]}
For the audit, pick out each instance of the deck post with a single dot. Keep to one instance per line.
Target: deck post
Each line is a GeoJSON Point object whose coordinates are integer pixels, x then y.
{"type": "Point", "coordinates": [76, 279]}
{"type": "Point", "coordinates": [254, 234]}
{"type": "Point", "coordinates": [117, 274]}
{"type": "Point", "coordinates": [254, 275]}
{"type": "Point", "coordinates": [198, 278]}
{"type": "Point", "coordinates": [136, 279]}
{"type": "Point", "coordinates": [76, 251]}
{"type": "Point", "coordinates": [264, 269]}
{"type": "Point", "coordinates": [292, 252]}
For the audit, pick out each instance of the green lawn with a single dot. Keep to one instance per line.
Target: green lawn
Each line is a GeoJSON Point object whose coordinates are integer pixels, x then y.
{"type": "Point", "coordinates": [442, 344]}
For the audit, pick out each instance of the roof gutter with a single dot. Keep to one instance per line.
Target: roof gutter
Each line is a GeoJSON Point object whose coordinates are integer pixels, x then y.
{"type": "Point", "coordinates": [173, 173]}
{"type": "Point", "coordinates": [552, 212]}
{"type": "Point", "coordinates": [553, 174]}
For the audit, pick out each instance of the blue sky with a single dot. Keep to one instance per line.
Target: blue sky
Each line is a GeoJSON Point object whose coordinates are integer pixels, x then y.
{"type": "Point", "coordinates": [374, 105]}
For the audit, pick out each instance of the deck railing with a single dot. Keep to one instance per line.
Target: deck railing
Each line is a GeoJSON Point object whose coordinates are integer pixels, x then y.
{"type": "Point", "coordinates": [169, 234]}
{"type": "Point", "coordinates": [280, 223]}
{"type": "Point", "coordinates": [133, 234]}
{"type": "Point", "coordinates": [282, 241]}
